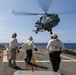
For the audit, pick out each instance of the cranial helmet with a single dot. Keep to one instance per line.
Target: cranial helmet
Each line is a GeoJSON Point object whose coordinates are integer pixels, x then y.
{"type": "Point", "coordinates": [54, 35]}
{"type": "Point", "coordinates": [14, 35]}
{"type": "Point", "coordinates": [30, 38]}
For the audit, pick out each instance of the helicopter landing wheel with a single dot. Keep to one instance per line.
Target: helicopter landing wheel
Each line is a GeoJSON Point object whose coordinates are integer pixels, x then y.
{"type": "Point", "coordinates": [36, 32]}
{"type": "Point", "coordinates": [50, 31]}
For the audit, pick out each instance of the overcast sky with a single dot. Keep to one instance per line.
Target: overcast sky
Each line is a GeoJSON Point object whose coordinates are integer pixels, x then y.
{"type": "Point", "coordinates": [23, 25]}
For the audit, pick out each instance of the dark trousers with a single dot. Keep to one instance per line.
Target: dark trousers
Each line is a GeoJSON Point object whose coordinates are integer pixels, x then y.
{"type": "Point", "coordinates": [29, 55]}
{"type": "Point", "coordinates": [55, 60]}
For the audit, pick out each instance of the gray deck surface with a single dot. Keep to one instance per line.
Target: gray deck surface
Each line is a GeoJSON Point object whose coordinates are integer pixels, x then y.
{"type": "Point", "coordinates": [41, 64]}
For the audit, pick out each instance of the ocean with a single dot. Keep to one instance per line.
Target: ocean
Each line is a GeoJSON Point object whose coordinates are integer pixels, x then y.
{"type": "Point", "coordinates": [67, 45]}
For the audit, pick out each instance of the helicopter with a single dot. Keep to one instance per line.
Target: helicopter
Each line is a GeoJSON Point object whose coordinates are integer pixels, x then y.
{"type": "Point", "coordinates": [47, 20]}
{"type": "Point", "coordinates": [45, 23]}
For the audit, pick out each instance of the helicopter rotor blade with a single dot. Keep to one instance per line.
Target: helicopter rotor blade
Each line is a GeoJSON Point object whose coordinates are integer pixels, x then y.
{"type": "Point", "coordinates": [24, 13]}
{"type": "Point", "coordinates": [45, 5]}
{"type": "Point", "coordinates": [68, 12]}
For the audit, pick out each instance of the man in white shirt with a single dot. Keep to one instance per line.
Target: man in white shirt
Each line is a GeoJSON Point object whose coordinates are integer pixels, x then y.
{"type": "Point", "coordinates": [29, 44]}
{"type": "Point", "coordinates": [13, 46]}
{"type": "Point", "coordinates": [54, 48]}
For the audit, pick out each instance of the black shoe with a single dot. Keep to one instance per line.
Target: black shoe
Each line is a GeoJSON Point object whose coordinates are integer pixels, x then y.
{"type": "Point", "coordinates": [55, 70]}
{"type": "Point", "coordinates": [15, 67]}
{"type": "Point", "coordinates": [29, 63]}
{"type": "Point", "coordinates": [25, 60]}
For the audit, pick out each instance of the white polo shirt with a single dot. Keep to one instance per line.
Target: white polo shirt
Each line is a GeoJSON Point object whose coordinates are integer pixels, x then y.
{"type": "Point", "coordinates": [55, 45]}
{"type": "Point", "coordinates": [29, 44]}
{"type": "Point", "coordinates": [13, 43]}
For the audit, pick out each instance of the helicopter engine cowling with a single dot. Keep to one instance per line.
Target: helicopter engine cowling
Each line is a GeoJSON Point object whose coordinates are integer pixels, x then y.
{"type": "Point", "coordinates": [50, 21]}
{"type": "Point", "coordinates": [54, 20]}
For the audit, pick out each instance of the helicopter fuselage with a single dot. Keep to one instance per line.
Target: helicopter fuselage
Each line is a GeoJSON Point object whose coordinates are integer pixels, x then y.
{"type": "Point", "coordinates": [47, 22]}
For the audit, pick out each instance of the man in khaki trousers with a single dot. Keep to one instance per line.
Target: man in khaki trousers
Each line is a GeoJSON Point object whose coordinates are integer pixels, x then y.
{"type": "Point", "coordinates": [13, 46]}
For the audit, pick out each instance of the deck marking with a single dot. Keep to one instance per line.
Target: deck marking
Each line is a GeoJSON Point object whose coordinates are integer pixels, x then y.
{"type": "Point", "coordinates": [45, 61]}
{"type": "Point", "coordinates": [60, 55]}
{"type": "Point", "coordinates": [71, 59]}
{"type": "Point", "coordinates": [67, 57]}
{"type": "Point", "coordinates": [5, 56]}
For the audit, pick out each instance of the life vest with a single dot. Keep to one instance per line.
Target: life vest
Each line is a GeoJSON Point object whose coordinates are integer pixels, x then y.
{"type": "Point", "coordinates": [56, 45]}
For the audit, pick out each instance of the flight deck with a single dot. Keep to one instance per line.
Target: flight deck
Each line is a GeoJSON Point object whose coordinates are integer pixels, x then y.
{"type": "Point", "coordinates": [40, 65]}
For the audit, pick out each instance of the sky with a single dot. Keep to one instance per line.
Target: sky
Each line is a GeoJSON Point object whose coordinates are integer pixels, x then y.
{"type": "Point", "coordinates": [24, 25]}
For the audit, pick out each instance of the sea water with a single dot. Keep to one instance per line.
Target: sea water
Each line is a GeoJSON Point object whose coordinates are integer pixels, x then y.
{"type": "Point", "coordinates": [67, 45]}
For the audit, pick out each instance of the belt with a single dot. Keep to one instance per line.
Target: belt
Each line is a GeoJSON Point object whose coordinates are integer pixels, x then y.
{"type": "Point", "coordinates": [28, 49]}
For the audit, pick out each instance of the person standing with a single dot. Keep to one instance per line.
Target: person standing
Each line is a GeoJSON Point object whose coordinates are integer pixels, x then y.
{"type": "Point", "coordinates": [29, 45]}
{"type": "Point", "coordinates": [13, 46]}
{"type": "Point", "coordinates": [54, 48]}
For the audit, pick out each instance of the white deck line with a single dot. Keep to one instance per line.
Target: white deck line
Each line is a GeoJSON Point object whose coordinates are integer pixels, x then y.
{"type": "Point", "coordinates": [5, 57]}
{"type": "Point", "coordinates": [60, 55]}
{"type": "Point", "coordinates": [68, 57]}
{"type": "Point", "coordinates": [71, 59]}
{"type": "Point", "coordinates": [36, 73]}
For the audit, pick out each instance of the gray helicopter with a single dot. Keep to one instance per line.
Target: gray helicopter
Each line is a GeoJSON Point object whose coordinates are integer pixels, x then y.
{"type": "Point", "coordinates": [47, 21]}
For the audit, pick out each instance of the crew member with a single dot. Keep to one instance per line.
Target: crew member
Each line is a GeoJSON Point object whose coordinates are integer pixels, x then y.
{"type": "Point", "coordinates": [13, 46]}
{"type": "Point", "coordinates": [54, 48]}
{"type": "Point", "coordinates": [29, 45]}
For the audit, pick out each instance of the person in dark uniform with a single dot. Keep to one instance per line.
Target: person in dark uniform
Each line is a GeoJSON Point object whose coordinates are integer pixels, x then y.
{"type": "Point", "coordinates": [54, 48]}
